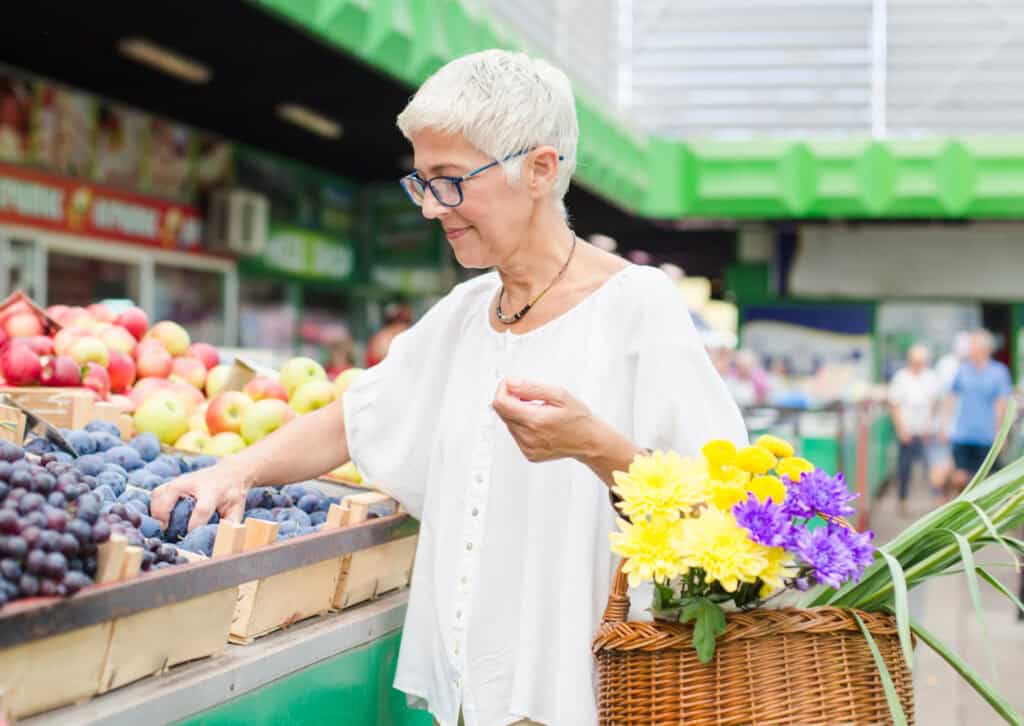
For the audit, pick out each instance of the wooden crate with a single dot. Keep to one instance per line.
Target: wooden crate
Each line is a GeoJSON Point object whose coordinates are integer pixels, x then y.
{"type": "Point", "coordinates": [365, 574]}
{"type": "Point", "coordinates": [149, 642]}
{"type": "Point", "coordinates": [276, 602]}
{"type": "Point", "coordinates": [67, 408]}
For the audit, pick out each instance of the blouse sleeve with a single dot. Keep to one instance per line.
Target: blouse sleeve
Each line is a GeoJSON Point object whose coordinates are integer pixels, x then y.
{"type": "Point", "coordinates": [391, 408]}
{"type": "Point", "coordinates": [680, 401]}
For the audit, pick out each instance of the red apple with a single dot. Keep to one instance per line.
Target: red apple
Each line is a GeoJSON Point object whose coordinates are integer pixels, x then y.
{"type": "Point", "coordinates": [145, 388]}
{"type": "Point", "coordinates": [39, 344]}
{"type": "Point", "coordinates": [191, 396]}
{"type": "Point", "coordinates": [61, 370]}
{"type": "Point", "coordinates": [100, 313]}
{"type": "Point", "coordinates": [122, 402]}
{"type": "Point", "coordinates": [77, 317]}
{"type": "Point", "coordinates": [262, 387]}
{"type": "Point", "coordinates": [56, 312]}
{"type": "Point", "coordinates": [117, 338]}
{"type": "Point", "coordinates": [135, 321]}
{"type": "Point", "coordinates": [96, 378]}
{"type": "Point", "coordinates": [65, 338]}
{"type": "Point", "coordinates": [122, 371]}
{"type": "Point", "coordinates": [204, 352]}
{"type": "Point", "coordinates": [23, 324]}
{"type": "Point", "coordinates": [20, 366]}
{"type": "Point", "coordinates": [192, 370]}
{"type": "Point", "coordinates": [88, 349]}
{"type": "Point", "coordinates": [226, 411]}
{"type": "Point", "coordinates": [174, 337]}
{"type": "Point", "coordinates": [216, 378]}
{"type": "Point", "coordinates": [153, 361]}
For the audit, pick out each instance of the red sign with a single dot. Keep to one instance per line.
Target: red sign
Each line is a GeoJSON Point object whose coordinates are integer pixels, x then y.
{"type": "Point", "coordinates": [60, 204]}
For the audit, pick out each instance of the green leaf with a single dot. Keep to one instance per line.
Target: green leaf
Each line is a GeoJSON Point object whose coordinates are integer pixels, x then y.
{"type": "Point", "coordinates": [901, 607]}
{"type": "Point", "coordinates": [1001, 587]}
{"type": "Point", "coordinates": [967, 555]}
{"type": "Point", "coordinates": [662, 596]}
{"type": "Point", "coordinates": [708, 623]}
{"type": "Point", "coordinates": [994, 532]}
{"type": "Point", "coordinates": [993, 453]}
{"type": "Point", "coordinates": [895, 707]}
{"type": "Point", "coordinates": [984, 689]}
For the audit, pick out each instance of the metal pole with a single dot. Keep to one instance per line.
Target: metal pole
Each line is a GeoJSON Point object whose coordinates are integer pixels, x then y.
{"type": "Point", "coordinates": [879, 63]}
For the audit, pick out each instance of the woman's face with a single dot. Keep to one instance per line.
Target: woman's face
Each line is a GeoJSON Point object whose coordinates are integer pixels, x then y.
{"type": "Point", "coordinates": [494, 215]}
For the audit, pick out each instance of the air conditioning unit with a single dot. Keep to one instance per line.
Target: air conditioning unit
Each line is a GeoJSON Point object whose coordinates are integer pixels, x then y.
{"type": "Point", "coordinates": [237, 222]}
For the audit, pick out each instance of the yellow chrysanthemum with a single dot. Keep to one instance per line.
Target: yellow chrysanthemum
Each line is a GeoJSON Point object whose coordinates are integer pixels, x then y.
{"type": "Point", "coordinates": [650, 547]}
{"type": "Point", "coordinates": [728, 487]}
{"type": "Point", "coordinates": [714, 542]}
{"type": "Point", "coordinates": [780, 566]}
{"type": "Point", "coordinates": [767, 486]}
{"type": "Point", "coordinates": [779, 447]}
{"type": "Point", "coordinates": [719, 453]}
{"type": "Point", "coordinates": [661, 485]}
{"type": "Point", "coordinates": [792, 467]}
{"type": "Point", "coordinates": [755, 459]}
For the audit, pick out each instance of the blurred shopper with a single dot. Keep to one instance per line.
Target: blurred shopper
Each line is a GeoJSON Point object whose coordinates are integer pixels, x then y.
{"type": "Point", "coordinates": [941, 467]}
{"type": "Point", "coordinates": [397, 319]}
{"type": "Point", "coordinates": [342, 351]}
{"type": "Point", "coordinates": [747, 381]}
{"type": "Point", "coordinates": [915, 398]}
{"type": "Point", "coordinates": [980, 390]}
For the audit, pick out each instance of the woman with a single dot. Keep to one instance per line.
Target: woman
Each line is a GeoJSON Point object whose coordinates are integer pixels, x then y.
{"type": "Point", "coordinates": [498, 419]}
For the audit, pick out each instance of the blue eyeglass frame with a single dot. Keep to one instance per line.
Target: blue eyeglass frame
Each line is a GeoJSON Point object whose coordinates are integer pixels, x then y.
{"type": "Point", "coordinates": [455, 180]}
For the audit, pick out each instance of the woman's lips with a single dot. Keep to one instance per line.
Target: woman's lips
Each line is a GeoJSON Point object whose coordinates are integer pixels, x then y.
{"type": "Point", "coordinates": [453, 234]}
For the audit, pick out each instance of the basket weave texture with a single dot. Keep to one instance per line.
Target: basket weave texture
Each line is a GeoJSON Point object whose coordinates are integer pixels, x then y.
{"type": "Point", "coordinates": [791, 666]}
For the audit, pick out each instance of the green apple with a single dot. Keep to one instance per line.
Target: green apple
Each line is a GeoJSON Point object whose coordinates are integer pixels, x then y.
{"type": "Point", "coordinates": [163, 414]}
{"type": "Point", "coordinates": [216, 379]}
{"type": "Point", "coordinates": [345, 379]}
{"type": "Point", "coordinates": [298, 371]}
{"type": "Point", "coordinates": [313, 395]}
{"type": "Point", "coordinates": [88, 349]}
{"type": "Point", "coordinates": [225, 444]}
{"type": "Point", "coordinates": [195, 441]}
{"type": "Point", "coordinates": [264, 418]}
{"type": "Point", "coordinates": [173, 337]}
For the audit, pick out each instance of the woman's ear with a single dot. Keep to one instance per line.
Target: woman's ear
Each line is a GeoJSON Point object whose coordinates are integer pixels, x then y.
{"type": "Point", "coordinates": [543, 171]}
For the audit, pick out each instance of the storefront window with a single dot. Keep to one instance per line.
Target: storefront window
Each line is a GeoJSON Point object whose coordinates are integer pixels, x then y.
{"type": "Point", "coordinates": [193, 298]}
{"type": "Point", "coordinates": [77, 280]}
{"type": "Point", "coordinates": [21, 266]}
{"type": "Point", "coordinates": [267, 317]}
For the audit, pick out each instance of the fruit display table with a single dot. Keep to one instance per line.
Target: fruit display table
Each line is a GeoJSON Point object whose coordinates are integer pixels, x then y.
{"type": "Point", "coordinates": [335, 669]}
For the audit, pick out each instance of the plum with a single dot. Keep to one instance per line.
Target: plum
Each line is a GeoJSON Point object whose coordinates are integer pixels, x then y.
{"type": "Point", "coordinates": [202, 461]}
{"type": "Point", "coordinates": [139, 505]}
{"type": "Point", "coordinates": [200, 540]}
{"type": "Point", "coordinates": [90, 464]}
{"type": "Point", "coordinates": [294, 514]}
{"type": "Point", "coordinates": [81, 441]}
{"type": "Point", "coordinates": [38, 446]}
{"type": "Point", "coordinates": [287, 529]}
{"type": "Point", "coordinates": [112, 479]}
{"type": "Point", "coordinates": [259, 498]}
{"type": "Point", "coordinates": [148, 446]}
{"type": "Point", "coordinates": [105, 493]}
{"type": "Point", "coordinates": [177, 526]}
{"type": "Point", "coordinates": [296, 491]}
{"type": "Point", "coordinates": [164, 466]}
{"type": "Point", "coordinates": [95, 427]}
{"type": "Point", "coordinates": [105, 441]}
{"type": "Point", "coordinates": [317, 518]}
{"type": "Point", "coordinates": [258, 513]}
{"type": "Point", "coordinates": [326, 502]}
{"type": "Point", "coordinates": [124, 456]}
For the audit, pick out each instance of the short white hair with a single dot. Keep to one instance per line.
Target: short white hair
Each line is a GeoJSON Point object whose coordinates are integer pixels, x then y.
{"type": "Point", "coordinates": [502, 103]}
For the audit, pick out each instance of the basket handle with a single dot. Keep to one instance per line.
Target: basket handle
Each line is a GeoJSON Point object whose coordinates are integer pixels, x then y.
{"type": "Point", "coordinates": [618, 598]}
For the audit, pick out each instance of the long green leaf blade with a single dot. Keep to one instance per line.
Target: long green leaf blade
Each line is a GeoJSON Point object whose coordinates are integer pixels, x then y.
{"type": "Point", "coordinates": [991, 580]}
{"type": "Point", "coordinates": [967, 555]}
{"type": "Point", "coordinates": [902, 607]}
{"type": "Point", "coordinates": [993, 453]}
{"type": "Point", "coordinates": [984, 689]}
{"type": "Point", "coordinates": [899, 718]}
{"type": "Point", "coordinates": [994, 532]}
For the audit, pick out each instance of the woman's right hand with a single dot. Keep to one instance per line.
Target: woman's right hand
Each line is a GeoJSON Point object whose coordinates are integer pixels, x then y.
{"type": "Point", "coordinates": [220, 488]}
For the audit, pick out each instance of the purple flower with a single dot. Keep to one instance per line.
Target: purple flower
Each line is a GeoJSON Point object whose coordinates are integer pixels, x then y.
{"type": "Point", "coordinates": [827, 553]}
{"type": "Point", "coordinates": [769, 524]}
{"type": "Point", "coordinates": [818, 493]}
{"type": "Point", "coordinates": [862, 551]}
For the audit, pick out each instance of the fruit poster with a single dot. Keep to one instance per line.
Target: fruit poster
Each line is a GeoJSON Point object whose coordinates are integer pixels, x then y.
{"type": "Point", "coordinates": [168, 159]}
{"type": "Point", "coordinates": [120, 146]}
{"type": "Point", "coordinates": [63, 132]}
{"type": "Point", "coordinates": [16, 102]}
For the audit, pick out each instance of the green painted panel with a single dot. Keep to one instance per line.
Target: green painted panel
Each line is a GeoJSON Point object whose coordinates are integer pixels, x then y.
{"type": "Point", "coordinates": [351, 688]}
{"type": "Point", "coordinates": [969, 177]}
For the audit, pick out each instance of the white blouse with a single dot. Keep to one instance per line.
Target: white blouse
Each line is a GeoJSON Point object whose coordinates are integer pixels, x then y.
{"type": "Point", "coordinates": [513, 566]}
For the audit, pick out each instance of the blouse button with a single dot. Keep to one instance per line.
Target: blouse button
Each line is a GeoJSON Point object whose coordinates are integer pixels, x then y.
{"type": "Point", "coordinates": [469, 546]}
{"type": "Point", "coordinates": [475, 511]}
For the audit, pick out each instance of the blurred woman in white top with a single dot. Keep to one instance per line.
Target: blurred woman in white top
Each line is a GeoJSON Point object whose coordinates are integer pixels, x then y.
{"type": "Point", "coordinates": [498, 418]}
{"type": "Point", "coordinates": [915, 398]}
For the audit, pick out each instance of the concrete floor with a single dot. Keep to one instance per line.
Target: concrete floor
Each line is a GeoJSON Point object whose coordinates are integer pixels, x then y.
{"type": "Point", "coordinates": [944, 607]}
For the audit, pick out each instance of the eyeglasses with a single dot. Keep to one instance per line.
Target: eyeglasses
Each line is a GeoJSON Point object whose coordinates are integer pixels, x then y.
{"type": "Point", "coordinates": [447, 190]}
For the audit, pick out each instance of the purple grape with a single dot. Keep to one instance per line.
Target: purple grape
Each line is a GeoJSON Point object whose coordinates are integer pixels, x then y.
{"type": "Point", "coordinates": [20, 478]}
{"type": "Point", "coordinates": [35, 562]}
{"type": "Point", "coordinates": [153, 543]}
{"type": "Point", "coordinates": [148, 559]}
{"type": "Point", "coordinates": [89, 565]}
{"type": "Point", "coordinates": [56, 566]}
{"type": "Point", "coordinates": [16, 494]}
{"type": "Point", "coordinates": [75, 581]}
{"type": "Point", "coordinates": [43, 482]}
{"type": "Point", "coordinates": [66, 481]}
{"type": "Point", "coordinates": [30, 535]}
{"type": "Point", "coordinates": [9, 522]}
{"type": "Point", "coordinates": [167, 552]}
{"type": "Point", "coordinates": [49, 540]}
{"type": "Point", "coordinates": [49, 588]}
{"type": "Point", "coordinates": [56, 519]}
{"type": "Point", "coordinates": [133, 516]}
{"type": "Point", "coordinates": [75, 563]}
{"type": "Point", "coordinates": [10, 569]}
{"type": "Point", "coordinates": [68, 546]}
{"type": "Point", "coordinates": [30, 502]}
{"type": "Point", "coordinates": [10, 452]}
{"type": "Point", "coordinates": [100, 532]}
{"type": "Point", "coordinates": [89, 512]}
{"type": "Point", "coordinates": [80, 529]}
{"type": "Point", "coordinates": [120, 510]}
{"type": "Point", "coordinates": [57, 499]}
{"type": "Point", "coordinates": [14, 546]}
{"type": "Point", "coordinates": [28, 585]}
{"type": "Point", "coordinates": [5, 489]}
{"type": "Point", "coordinates": [113, 519]}
{"type": "Point", "coordinates": [34, 519]}
{"type": "Point", "coordinates": [50, 457]}
{"type": "Point", "coordinates": [5, 470]}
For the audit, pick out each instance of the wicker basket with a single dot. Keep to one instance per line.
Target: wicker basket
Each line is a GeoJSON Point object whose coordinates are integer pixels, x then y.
{"type": "Point", "coordinates": [770, 667]}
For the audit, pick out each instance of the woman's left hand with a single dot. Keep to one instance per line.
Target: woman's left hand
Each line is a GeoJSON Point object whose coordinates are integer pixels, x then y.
{"type": "Point", "coordinates": [546, 421]}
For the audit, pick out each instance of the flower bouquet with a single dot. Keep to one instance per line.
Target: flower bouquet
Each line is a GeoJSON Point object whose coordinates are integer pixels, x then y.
{"type": "Point", "coordinates": [727, 537]}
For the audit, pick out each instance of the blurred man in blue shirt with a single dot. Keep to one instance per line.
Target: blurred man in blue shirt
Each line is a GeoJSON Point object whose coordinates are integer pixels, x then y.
{"type": "Point", "coordinates": [981, 388]}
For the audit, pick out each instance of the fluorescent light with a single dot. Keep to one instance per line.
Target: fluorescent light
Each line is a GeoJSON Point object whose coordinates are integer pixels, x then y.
{"type": "Point", "coordinates": [174, 64]}
{"type": "Point", "coordinates": [309, 119]}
